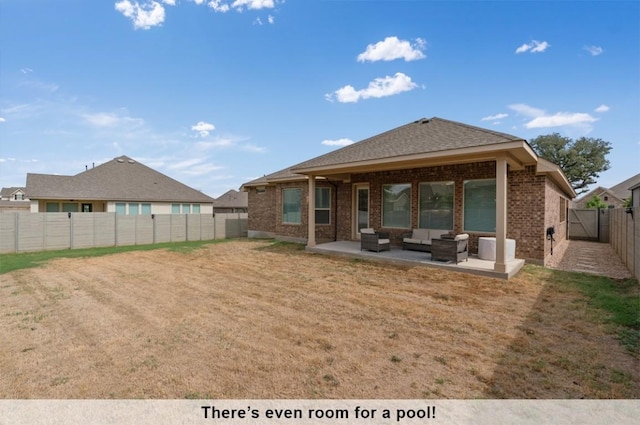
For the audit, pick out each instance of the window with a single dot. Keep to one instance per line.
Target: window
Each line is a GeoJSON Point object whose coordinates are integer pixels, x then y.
{"type": "Point", "coordinates": [292, 206]}
{"type": "Point", "coordinates": [53, 207]}
{"type": "Point", "coordinates": [146, 209]}
{"type": "Point", "coordinates": [133, 209]}
{"type": "Point", "coordinates": [195, 208]}
{"type": "Point", "coordinates": [563, 209]}
{"type": "Point", "coordinates": [436, 205]}
{"type": "Point", "coordinates": [186, 208]}
{"type": "Point", "coordinates": [396, 205]}
{"type": "Point", "coordinates": [323, 205]}
{"type": "Point", "coordinates": [175, 208]}
{"type": "Point", "coordinates": [18, 197]}
{"type": "Point", "coordinates": [121, 208]}
{"type": "Point", "coordinates": [260, 190]}
{"type": "Point", "coordinates": [87, 208]}
{"type": "Point", "coordinates": [480, 205]}
{"type": "Point", "coordinates": [69, 207]}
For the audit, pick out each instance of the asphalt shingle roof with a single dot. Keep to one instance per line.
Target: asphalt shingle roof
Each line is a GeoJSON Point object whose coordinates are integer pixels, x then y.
{"type": "Point", "coordinates": [419, 137]}
{"type": "Point", "coordinates": [121, 179]}
{"type": "Point", "coordinates": [232, 199]}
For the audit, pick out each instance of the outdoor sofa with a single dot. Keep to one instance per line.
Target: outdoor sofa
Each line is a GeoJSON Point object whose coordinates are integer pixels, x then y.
{"type": "Point", "coordinates": [420, 239]}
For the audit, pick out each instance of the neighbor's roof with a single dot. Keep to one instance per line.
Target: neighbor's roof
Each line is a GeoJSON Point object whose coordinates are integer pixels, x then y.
{"type": "Point", "coordinates": [232, 199]}
{"type": "Point", "coordinates": [623, 190]}
{"type": "Point", "coordinates": [121, 179]}
{"type": "Point", "coordinates": [6, 192]}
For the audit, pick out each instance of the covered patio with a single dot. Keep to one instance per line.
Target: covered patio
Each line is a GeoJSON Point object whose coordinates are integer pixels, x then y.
{"type": "Point", "coordinates": [397, 255]}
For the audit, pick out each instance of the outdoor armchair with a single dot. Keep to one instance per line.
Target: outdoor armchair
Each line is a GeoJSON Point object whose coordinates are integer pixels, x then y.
{"type": "Point", "coordinates": [455, 250]}
{"type": "Point", "coordinates": [374, 241]}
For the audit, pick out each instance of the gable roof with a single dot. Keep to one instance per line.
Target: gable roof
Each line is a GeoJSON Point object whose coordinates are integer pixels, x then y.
{"type": "Point", "coordinates": [421, 143]}
{"type": "Point", "coordinates": [623, 189]}
{"type": "Point", "coordinates": [7, 192]}
{"type": "Point", "coordinates": [424, 139]}
{"type": "Point", "coordinates": [121, 179]}
{"type": "Point", "coordinates": [232, 199]}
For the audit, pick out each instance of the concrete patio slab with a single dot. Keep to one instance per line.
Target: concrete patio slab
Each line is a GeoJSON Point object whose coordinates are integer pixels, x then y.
{"type": "Point", "coordinates": [399, 256]}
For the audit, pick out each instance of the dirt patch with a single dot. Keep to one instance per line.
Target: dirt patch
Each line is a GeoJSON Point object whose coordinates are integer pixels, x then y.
{"type": "Point", "coordinates": [246, 319]}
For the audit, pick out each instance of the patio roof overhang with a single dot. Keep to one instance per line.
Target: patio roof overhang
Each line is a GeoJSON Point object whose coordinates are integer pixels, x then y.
{"type": "Point", "coordinates": [518, 154]}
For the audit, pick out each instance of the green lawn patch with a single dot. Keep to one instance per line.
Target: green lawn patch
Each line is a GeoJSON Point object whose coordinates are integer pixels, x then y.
{"type": "Point", "coordinates": [618, 299]}
{"type": "Point", "coordinates": [11, 262]}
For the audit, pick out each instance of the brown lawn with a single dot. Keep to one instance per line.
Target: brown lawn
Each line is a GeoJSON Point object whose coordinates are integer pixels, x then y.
{"type": "Point", "coordinates": [248, 319]}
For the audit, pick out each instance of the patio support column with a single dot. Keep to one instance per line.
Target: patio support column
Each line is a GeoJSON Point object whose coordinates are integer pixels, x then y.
{"type": "Point", "coordinates": [311, 212]}
{"type": "Point", "coordinates": [501, 213]}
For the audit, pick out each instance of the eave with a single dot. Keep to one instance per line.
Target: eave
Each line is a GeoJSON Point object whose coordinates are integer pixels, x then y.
{"type": "Point", "coordinates": [518, 153]}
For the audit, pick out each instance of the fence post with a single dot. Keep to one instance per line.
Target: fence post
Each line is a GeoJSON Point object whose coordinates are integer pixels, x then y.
{"type": "Point", "coordinates": [17, 224]}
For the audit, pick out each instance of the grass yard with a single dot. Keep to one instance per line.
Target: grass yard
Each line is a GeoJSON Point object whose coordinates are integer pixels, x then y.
{"type": "Point", "coordinates": [257, 319]}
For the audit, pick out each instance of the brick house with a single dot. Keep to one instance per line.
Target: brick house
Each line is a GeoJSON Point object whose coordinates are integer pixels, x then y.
{"type": "Point", "coordinates": [431, 173]}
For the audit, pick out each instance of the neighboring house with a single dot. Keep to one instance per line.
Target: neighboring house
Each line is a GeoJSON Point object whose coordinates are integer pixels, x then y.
{"type": "Point", "coordinates": [431, 173]}
{"type": "Point", "coordinates": [231, 202]}
{"type": "Point", "coordinates": [635, 195]}
{"type": "Point", "coordinates": [14, 199]}
{"type": "Point", "coordinates": [614, 197]}
{"type": "Point", "coordinates": [122, 185]}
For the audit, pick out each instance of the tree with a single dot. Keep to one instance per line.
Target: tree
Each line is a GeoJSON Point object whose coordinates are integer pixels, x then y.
{"type": "Point", "coordinates": [581, 160]}
{"type": "Point", "coordinates": [595, 202]}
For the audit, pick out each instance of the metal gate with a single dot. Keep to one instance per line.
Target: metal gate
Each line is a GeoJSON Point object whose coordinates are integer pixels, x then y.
{"type": "Point", "coordinates": [589, 224]}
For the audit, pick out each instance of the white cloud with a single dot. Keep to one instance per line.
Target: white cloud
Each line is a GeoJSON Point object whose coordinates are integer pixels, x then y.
{"type": "Point", "coordinates": [26, 70]}
{"type": "Point", "coordinates": [392, 48]}
{"type": "Point", "coordinates": [217, 5]}
{"type": "Point", "coordinates": [145, 16]}
{"type": "Point", "coordinates": [150, 13]}
{"type": "Point", "coordinates": [380, 87]}
{"type": "Point", "coordinates": [2, 119]}
{"type": "Point", "coordinates": [561, 119]}
{"type": "Point", "coordinates": [541, 119]}
{"type": "Point", "coordinates": [109, 119]}
{"type": "Point", "coordinates": [594, 50]}
{"type": "Point", "coordinates": [527, 110]}
{"type": "Point", "coordinates": [194, 167]}
{"type": "Point", "coordinates": [250, 147]}
{"type": "Point", "coordinates": [203, 128]}
{"type": "Point", "coordinates": [534, 47]}
{"type": "Point", "coordinates": [602, 108]}
{"type": "Point", "coordinates": [238, 5]}
{"type": "Point", "coordinates": [338, 142]}
{"type": "Point", "coordinates": [253, 4]}
{"type": "Point", "coordinates": [495, 117]}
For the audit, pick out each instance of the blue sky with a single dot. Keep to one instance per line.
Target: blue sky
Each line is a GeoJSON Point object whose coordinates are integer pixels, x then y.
{"type": "Point", "coordinates": [217, 93]}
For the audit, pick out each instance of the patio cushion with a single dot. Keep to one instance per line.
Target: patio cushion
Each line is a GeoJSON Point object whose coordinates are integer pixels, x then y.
{"type": "Point", "coordinates": [411, 240]}
{"type": "Point", "coordinates": [383, 241]}
{"type": "Point", "coordinates": [421, 234]}
{"type": "Point", "coordinates": [368, 231]}
{"type": "Point", "coordinates": [437, 234]}
{"type": "Point", "coordinates": [461, 237]}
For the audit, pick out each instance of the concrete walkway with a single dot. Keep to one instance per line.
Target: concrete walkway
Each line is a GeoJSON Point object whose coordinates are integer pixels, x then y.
{"type": "Point", "coordinates": [589, 257]}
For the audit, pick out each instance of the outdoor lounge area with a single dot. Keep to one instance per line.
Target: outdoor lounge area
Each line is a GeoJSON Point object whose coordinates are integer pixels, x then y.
{"type": "Point", "coordinates": [473, 265]}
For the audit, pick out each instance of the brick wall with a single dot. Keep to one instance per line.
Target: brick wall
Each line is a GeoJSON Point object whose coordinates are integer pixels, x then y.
{"type": "Point", "coordinates": [533, 205]}
{"type": "Point", "coordinates": [266, 213]}
{"type": "Point", "coordinates": [262, 205]}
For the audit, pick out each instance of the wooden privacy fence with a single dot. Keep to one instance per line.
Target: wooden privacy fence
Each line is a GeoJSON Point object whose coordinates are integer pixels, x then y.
{"type": "Point", "coordinates": [23, 232]}
{"type": "Point", "coordinates": [625, 237]}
